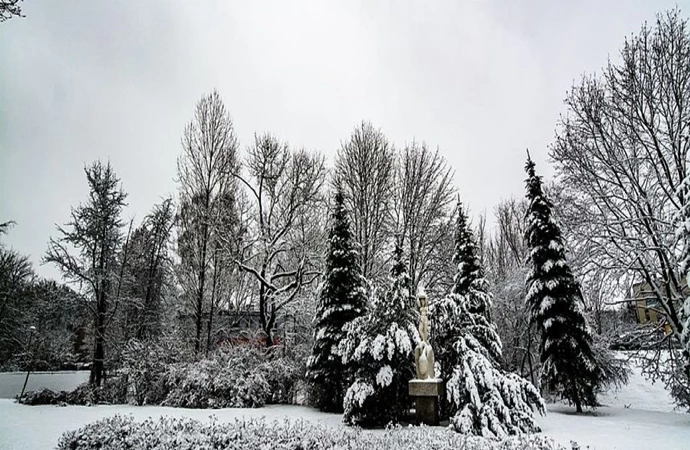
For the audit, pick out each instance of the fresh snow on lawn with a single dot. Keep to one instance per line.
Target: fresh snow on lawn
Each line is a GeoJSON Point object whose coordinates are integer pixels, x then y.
{"type": "Point", "coordinates": [638, 416]}
{"type": "Point", "coordinates": [639, 393]}
{"type": "Point", "coordinates": [617, 428]}
{"type": "Point", "coordinates": [25, 427]}
{"type": "Point", "coordinates": [39, 427]}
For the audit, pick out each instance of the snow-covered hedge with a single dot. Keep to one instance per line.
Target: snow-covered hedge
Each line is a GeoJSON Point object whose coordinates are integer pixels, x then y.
{"type": "Point", "coordinates": [119, 433]}
{"type": "Point", "coordinates": [113, 391]}
{"type": "Point", "coordinates": [242, 376]}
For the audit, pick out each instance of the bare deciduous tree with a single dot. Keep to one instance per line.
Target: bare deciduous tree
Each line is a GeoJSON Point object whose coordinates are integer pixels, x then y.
{"type": "Point", "coordinates": [9, 9]}
{"type": "Point", "coordinates": [422, 206]}
{"type": "Point", "coordinates": [365, 168]}
{"type": "Point", "coordinates": [15, 274]}
{"type": "Point", "coordinates": [285, 191]}
{"type": "Point", "coordinates": [205, 172]}
{"type": "Point", "coordinates": [505, 262]}
{"type": "Point", "coordinates": [145, 264]}
{"type": "Point", "coordinates": [622, 152]}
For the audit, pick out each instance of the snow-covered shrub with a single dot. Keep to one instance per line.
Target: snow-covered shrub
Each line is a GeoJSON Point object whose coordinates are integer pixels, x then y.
{"type": "Point", "coordinates": [379, 346]}
{"type": "Point", "coordinates": [44, 397]}
{"type": "Point", "coordinates": [228, 379]}
{"type": "Point", "coordinates": [282, 375]}
{"type": "Point", "coordinates": [111, 392]}
{"type": "Point", "coordinates": [120, 433]}
{"type": "Point", "coordinates": [241, 376]}
{"type": "Point", "coordinates": [144, 366]}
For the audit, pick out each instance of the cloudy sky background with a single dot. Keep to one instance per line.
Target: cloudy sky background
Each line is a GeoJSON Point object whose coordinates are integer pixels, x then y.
{"type": "Point", "coordinates": [482, 80]}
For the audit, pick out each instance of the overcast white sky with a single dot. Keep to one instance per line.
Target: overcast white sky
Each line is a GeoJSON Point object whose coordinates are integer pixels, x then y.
{"type": "Point", "coordinates": [482, 80]}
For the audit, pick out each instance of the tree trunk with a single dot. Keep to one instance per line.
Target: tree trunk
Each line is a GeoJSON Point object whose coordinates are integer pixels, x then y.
{"type": "Point", "coordinates": [269, 329]}
{"type": "Point", "coordinates": [202, 281]}
{"type": "Point", "coordinates": [213, 300]}
{"type": "Point", "coordinates": [576, 400]}
{"type": "Point", "coordinates": [97, 366]}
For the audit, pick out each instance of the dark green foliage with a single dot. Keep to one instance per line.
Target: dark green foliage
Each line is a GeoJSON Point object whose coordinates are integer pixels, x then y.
{"type": "Point", "coordinates": [55, 310]}
{"type": "Point", "coordinates": [469, 282]}
{"type": "Point", "coordinates": [342, 298]}
{"type": "Point", "coordinates": [569, 365]}
{"type": "Point", "coordinates": [16, 275]}
{"type": "Point", "coordinates": [481, 398]}
{"type": "Point", "coordinates": [470, 273]}
{"type": "Point", "coordinates": [380, 347]}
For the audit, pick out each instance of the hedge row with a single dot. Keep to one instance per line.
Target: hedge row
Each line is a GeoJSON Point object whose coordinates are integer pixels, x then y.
{"type": "Point", "coordinates": [120, 433]}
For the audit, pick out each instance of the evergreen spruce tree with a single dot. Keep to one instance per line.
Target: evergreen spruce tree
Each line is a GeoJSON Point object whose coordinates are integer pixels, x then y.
{"type": "Point", "coordinates": [482, 399]}
{"type": "Point", "coordinates": [342, 298]}
{"type": "Point", "coordinates": [569, 367]}
{"type": "Point", "coordinates": [472, 287]}
{"type": "Point", "coordinates": [380, 346]}
{"type": "Point", "coordinates": [470, 273]}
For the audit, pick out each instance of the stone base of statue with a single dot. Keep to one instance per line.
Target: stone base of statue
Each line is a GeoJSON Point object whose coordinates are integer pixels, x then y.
{"type": "Point", "coordinates": [427, 395]}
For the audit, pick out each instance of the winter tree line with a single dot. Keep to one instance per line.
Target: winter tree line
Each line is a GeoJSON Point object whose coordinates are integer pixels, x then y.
{"type": "Point", "coordinates": [328, 260]}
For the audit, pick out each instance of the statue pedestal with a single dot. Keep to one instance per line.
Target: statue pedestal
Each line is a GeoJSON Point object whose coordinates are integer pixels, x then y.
{"type": "Point", "coordinates": [427, 394]}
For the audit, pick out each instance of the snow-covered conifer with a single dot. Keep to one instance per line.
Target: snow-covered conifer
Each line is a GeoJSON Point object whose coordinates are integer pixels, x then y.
{"type": "Point", "coordinates": [469, 282]}
{"type": "Point", "coordinates": [469, 278]}
{"type": "Point", "coordinates": [482, 398]}
{"type": "Point", "coordinates": [569, 367]}
{"type": "Point", "coordinates": [380, 345]}
{"type": "Point", "coordinates": [342, 298]}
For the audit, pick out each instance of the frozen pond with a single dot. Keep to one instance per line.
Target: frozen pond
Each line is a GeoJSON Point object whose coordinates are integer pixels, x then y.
{"type": "Point", "coordinates": [11, 382]}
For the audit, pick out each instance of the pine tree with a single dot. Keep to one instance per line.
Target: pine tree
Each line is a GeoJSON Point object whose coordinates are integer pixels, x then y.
{"type": "Point", "coordinates": [342, 298]}
{"type": "Point", "coordinates": [482, 398]}
{"type": "Point", "coordinates": [380, 346]}
{"type": "Point", "coordinates": [554, 300]}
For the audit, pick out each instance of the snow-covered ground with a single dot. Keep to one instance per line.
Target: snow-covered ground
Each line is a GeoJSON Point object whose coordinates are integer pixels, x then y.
{"type": "Point", "coordinates": [640, 393]}
{"type": "Point", "coordinates": [39, 427]}
{"type": "Point", "coordinates": [639, 416]}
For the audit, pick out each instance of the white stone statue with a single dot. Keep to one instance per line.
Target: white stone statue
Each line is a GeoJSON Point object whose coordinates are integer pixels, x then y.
{"type": "Point", "coordinates": [424, 354]}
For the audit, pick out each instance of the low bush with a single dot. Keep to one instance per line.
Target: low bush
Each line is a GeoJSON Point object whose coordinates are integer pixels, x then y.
{"type": "Point", "coordinates": [239, 376]}
{"type": "Point", "coordinates": [44, 397]}
{"type": "Point", "coordinates": [242, 376]}
{"type": "Point", "coordinates": [119, 433]}
{"type": "Point", "coordinates": [144, 369]}
{"type": "Point", "coordinates": [112, 392]}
